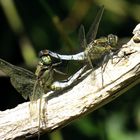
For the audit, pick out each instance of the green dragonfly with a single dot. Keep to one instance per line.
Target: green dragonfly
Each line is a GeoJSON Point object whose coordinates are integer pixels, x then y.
{"type": "Point", "coordinates": [24, 80]}
{"type": "Point", "coordinates": [95, 50]}
{"type": "Point", "coordinates": [33, 86]}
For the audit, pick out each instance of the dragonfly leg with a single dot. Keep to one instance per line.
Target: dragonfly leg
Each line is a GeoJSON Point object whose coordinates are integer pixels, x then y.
{"type": "Point", "coordinates": [115, 57]}
{"type": "Point", "coordinates": [105, 61]}
{"type": "Point", "coordinates": [71, 80]}
{"type": "Point", "coordinates": [42, 115]}
{"type": "Point", "coordinates": [103, 66]}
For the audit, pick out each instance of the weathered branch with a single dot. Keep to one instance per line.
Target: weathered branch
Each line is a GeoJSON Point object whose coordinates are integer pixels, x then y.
{"type": "Point", "coordinates": [63, 107]}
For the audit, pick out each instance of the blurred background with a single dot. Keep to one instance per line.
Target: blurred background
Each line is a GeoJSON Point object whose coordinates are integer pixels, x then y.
{"type": "Point", "coordinates": [26, 27]}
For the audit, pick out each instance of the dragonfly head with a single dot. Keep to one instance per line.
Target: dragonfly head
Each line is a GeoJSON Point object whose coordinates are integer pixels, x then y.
{"type": "Point", "coordinates": [44, 64]}
{"type": "Point", "coordinates": [49, 58]}
{"type": "Point", "coordinates": [113, 41]}
{"type": "Point", "coordinates": [46, 60]}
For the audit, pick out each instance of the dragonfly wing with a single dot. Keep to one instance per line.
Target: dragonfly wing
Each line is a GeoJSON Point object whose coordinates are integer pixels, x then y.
{"type": "Point", "coordinates": [83, 43]}
{"type": "Point", "coordinates": [91, 35]}
{"type": "Point", "coordinates": [22, 79]}
{"type": "Point", "coordinates": [82, 37]}
{"type": "Point", "coordinates": [23, 85]}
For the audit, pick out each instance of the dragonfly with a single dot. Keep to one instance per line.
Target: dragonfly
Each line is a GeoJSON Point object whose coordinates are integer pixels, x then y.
{"type": "Point", "coordinates": [94, 49]}
{"type": "Point", "coordinates": [24, 80]}
{"type": "Point", "coordinates": [35, 85]}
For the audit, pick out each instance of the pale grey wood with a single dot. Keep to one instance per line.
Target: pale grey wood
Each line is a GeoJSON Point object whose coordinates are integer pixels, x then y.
{"type": "Point", "coordinates": [63, 107]}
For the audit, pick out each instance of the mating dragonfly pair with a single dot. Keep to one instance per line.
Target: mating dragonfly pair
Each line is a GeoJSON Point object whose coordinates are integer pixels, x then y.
{"type": "Point", "coordinates": [35, 85]}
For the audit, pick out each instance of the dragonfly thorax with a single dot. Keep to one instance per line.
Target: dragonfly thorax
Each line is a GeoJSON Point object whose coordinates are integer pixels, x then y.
{"type": "Point", "coordinates": [46, 79]}
{"type": "Point", "coordinates": [97, 50]}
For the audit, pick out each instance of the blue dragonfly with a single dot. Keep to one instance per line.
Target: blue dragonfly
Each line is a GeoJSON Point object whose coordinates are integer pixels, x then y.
{"type": "Point", "coordinates": [94, 49]}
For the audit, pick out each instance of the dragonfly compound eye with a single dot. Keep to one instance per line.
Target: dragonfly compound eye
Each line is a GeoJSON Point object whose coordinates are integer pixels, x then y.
{"type": "Point", "coordinates": [113, 40]}
{"type": "Point", "coordinates": [46, 60]}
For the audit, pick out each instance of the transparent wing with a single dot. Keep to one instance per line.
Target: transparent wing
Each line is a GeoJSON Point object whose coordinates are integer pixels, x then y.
{"type": "Point", "coordinates": [82, 37]}
{"type": "Point", "coordinates": [22, 79]}
{"type": "Point", "coordinates": [83, 44]}
{"type": "Point", "coordinates": [91, 35]}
